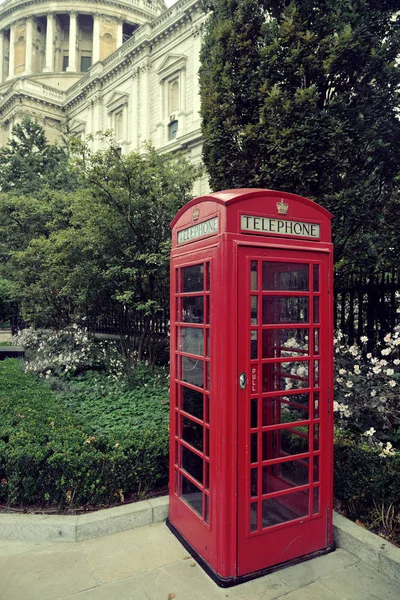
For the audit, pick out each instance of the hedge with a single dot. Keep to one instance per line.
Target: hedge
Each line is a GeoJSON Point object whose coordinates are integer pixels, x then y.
{"type": "Point", "coordinates": [366, 484]}
{"type": "Point", "coordinates": [47, 457]}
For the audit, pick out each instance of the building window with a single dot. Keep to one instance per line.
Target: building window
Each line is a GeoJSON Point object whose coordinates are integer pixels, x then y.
{"type": "Point", "coordinates": [65, 63]}
{"type": "Point", "coordinates": [86, 63]}
{"type": "Point", "coordinates": [118, 121]}
{"type": "Point", "coordinates": [173, 96]}
{"type": "Point", "coordinates": [172, 130]}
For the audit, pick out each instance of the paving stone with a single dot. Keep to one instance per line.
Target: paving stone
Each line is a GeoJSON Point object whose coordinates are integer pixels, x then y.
{"type": "Point", "coordinates": [126, 589]}
{"type": "Point", "coordinates": [263, 588]}
{"type": "Point", "coordinates": [360, 582]}
{"type": "Point", "coordinates": [314, 591]}
{"type": "Point", "coordinates": [46, 574]}
{"type": "Point", "coordinates": [127, 553]}
{"type": "Point", "coordinates": [185, 581]}
{"type": "Point", "coordinates": [11, 548]}
{"type": "Point", "coordinates": [310, 570]}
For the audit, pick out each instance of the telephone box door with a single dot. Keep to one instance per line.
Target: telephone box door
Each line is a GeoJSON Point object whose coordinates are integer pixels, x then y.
{"type": "Point", "coordinates": [284, 420]}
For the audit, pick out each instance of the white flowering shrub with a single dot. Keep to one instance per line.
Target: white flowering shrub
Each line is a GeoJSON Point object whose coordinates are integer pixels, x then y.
{"type": "Point", "coordinates": [68, 351]}
{"type": "Point", "coordinates": [367, 390]}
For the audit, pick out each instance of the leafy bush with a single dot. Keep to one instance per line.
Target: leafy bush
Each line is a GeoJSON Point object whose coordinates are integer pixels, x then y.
{"type": "Point", "coordinates": [67, 351]}
{"type": "Point", "coordinates": [367, 390]}
{"type": "Point", "coordinates": [367, 484]}
{"type": "Point", "coordinates": [50, 456]}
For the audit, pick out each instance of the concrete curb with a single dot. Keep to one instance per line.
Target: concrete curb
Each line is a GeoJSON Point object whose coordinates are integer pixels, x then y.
{"type": "Point", "coordinates": [38, 528]}
{"type": "Point", "coordinates": [380, 554]}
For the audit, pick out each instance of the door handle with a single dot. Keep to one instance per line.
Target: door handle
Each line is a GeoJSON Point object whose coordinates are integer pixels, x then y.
{"type": "Point", "coordinates": [242, 381]}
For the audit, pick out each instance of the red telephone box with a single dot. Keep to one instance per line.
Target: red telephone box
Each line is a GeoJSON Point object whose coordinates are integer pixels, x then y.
{"type": "Point", "coordinates": [251, 381]}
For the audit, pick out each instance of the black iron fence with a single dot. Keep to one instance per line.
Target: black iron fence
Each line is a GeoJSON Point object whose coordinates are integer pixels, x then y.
{"type": "Point", "coordinates": [367, 305]}
{"type": "Point", "coordinates": [364, 305]}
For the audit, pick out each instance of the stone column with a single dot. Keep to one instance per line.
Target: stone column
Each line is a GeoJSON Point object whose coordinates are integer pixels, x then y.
{"type": "Point", "coordinates": [29, 46]}
{"type": "Point", "coordinates": [134, 110]}
{"type": "Point", "coordinates": [11, 63]}
{"type": "Point", "coordinates": [120, 40]}
{"type": "Point", "coordinates": [96, 38]}
{"type": "Point", "coordinates": [49, 66]}
{"type": "Point", "coordinates": [1, 57]}
{"type": "Point", "coordinates": [72, 42]}
{"type": "Point", "coordinates": [197, 39]}
{"type": "Point", "coordinates": [144, 86]}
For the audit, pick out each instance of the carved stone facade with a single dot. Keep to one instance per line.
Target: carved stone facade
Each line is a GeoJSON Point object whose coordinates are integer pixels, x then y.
{"type": "Point", "coordinates": [93, 65]}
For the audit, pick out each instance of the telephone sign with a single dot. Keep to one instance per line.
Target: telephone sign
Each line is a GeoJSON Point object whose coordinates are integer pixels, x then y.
{"type": "Point", "coordinates": [251, 376]}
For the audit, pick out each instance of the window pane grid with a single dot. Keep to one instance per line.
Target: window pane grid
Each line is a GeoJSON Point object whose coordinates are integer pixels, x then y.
{"type": "Point", "coordinates": [193, 373]}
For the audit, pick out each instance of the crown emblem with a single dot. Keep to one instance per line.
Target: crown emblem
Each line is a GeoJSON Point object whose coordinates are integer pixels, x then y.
{"type": "Point", "coordinates": [282, 207]}
{"type": "Point", "coordinates": [196, 213]}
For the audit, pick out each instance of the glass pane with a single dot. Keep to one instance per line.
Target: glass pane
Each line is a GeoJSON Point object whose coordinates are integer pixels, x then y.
{"type": "Point", "coordinates": [285, 276]}
{"type": "Point", "coordinates": [207, 310]}
{"type": "Point", "coordinates": [208, 343]}
{"type": "Point", "coordinates": [316, 373]}
{"type": "Point", "coordinates": [207, 409]}
{"type": "Point", "coordinates": [316, 278]}
{"type": "Point", "coordinates": [192, 463]}
{"type": "Point", "coordinates": [176, 482]}
{"type": "Point", "coordinates": [316, 501]}
{"type": "Point", "coordinates": [207, 277]}
{"type": "Point", "coordinates": [176, 423]}
{"type": "Point", "coordinates": [316, 405]}
{"type": "Point", "coordinates": [193, 279]}
{"type": "Point", "coordinates": [316, 437]}
{"type": "Point", "coordinates": [284, 476]}
{"type": "Point", "coordinates": [253, 275]}
{"type": "Point", "coordinates": [285, 376]}
{"type": "Point", "coordinates": [269, 446]}
{"type": "Point", "coordinates": [282, 309]}
{"type": "Point", "coordinates": [253, 310]}
{"type": "Point", "coordinates": [316, 309]}
{"type": "Point", "coordinates": [192, 433]}
{"type": "Point", "coordinates": [177, 281]}
{"type": "Point", "coordinates": [284, 409]}
{"type": "Point", "coordinates": [316, 341]}
{"type": "Point", "coordinates": [253, 344]}
{"type": "Point", "coordinates": [207, 451]}
{"type": "Point", "coordinates": [207, 482]}
{"type": "Point", "coordinates": [254, 447]}
{"type": "Point", "coordinates": [284, 508]}
{"type": "Point", "coordinates": [192, 371]}
{"type": "Point", "coordinates": [316, 468]}
{"type": "Point", "coordinates": [192, 402]}
{"type": "Point", "coordinates": [253, 413]}
{"type": "Point", "coordinates": [192, 340]}
{"type": "Point", "coordinates": [294, 441]}
{"type": "Point", "coordinates": [176, 453]}
{"type": "Point", "coordinates": [279, 343]}
{"type": "Point", "coordinates": [208, 376]}
{"type": "Point", "coordinates": [192, 309]}
{"type": "Point", "coordinates": [207, 509]}
{"type": "Point", "coordinates": [192, 495]}
{"type": "Point", "coordinates": [253, 482]}
{"type": "Point", "coordinates": [253, 516]}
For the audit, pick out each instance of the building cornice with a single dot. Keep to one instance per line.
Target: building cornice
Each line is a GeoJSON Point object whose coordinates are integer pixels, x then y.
{"type": "Point", "coordinates": [15, 10]}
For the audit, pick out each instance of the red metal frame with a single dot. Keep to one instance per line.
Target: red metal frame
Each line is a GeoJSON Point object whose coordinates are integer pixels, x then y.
{"type": "Point", "coordinates": [211, 457]}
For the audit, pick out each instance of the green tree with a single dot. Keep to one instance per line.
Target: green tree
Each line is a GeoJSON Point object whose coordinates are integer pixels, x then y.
{"type": "Point", "coordinates": [303, 96]}
{"type": "Point", "coordinates": [106, 246]}
{"type": "Point", "coordinates": [28, 162]}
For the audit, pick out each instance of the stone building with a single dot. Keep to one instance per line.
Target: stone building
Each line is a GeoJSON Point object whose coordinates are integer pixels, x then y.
{"type": "Point", "coordinates": [92, 65]}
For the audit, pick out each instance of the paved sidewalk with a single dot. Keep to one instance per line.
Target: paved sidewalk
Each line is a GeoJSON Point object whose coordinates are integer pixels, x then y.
{"type": "Point", "coordinates": [148, 563]}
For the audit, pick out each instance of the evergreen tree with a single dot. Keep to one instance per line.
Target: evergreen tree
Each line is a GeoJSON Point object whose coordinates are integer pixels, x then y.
{"type": "Point", "coordinates": [303, 96]}
{"type": "Point", "coordinates": [28, 162]}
